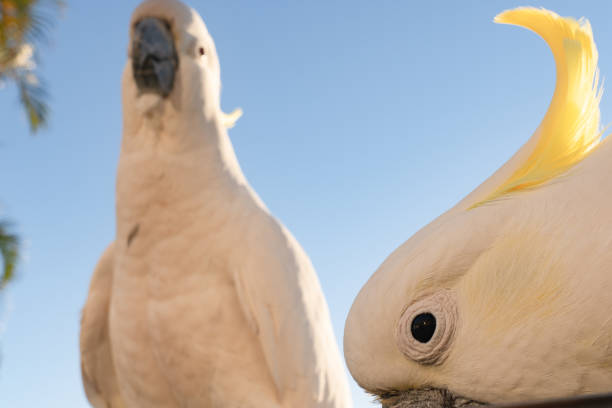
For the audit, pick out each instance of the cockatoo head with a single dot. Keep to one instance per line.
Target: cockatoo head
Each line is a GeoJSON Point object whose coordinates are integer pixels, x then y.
{"type": "Point", "coordinates": [484, 304]}
{"type": "Point", "coordinates": [172, 73]}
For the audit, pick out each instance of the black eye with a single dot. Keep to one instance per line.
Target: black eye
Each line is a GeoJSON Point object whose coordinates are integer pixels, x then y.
{"type": "Point", "coordinates": [426, 327]}
{"type": "Point", "coordinates": [201, 51]}
{"type": "Point", "coordinates": [423, 327]}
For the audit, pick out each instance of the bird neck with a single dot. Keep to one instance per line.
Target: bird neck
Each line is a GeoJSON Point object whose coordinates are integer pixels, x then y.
{"type": "Point", "coordinates": [160, 154]}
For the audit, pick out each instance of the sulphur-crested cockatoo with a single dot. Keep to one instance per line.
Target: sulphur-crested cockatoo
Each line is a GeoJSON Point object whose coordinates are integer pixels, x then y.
{"type": "Point", "coordinates": [508, 295]}
{"type": "Point", "coordinates": [203, 299]}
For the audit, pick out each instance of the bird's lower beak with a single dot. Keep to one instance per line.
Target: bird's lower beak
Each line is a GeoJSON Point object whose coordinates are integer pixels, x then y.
{"type": "Point", "coordinates": [426, 398]}
{"type": "Point", "coordinates": [154, 57]}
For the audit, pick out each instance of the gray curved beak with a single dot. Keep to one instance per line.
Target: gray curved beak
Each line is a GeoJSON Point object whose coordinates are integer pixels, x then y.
{"type": "Point", "coordinates": [154, 57]}
{"type": "Point", "coordinates": [426, 398]}
{"type": "Point", "coordinates": [438, 398]}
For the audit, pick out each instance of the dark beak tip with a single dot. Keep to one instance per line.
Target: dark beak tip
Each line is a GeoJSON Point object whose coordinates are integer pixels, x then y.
{"type": "Point", "coordinates": [154, 57]}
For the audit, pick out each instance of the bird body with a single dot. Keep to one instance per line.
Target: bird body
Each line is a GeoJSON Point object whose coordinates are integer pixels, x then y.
{"type": "Point", "coordinates": [209, 300]}
{"type": "Point", "coordinates": [182, 284]}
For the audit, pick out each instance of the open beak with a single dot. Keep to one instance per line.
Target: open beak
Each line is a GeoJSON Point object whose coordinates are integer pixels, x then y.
{"type": "Point", "coordinates": [154, 57]}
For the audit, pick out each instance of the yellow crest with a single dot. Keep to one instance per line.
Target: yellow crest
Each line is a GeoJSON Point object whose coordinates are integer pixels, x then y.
{"type": "Point", "coordinates": [229, 119]}
{"type": "Point", "coordinates": [570, 129]}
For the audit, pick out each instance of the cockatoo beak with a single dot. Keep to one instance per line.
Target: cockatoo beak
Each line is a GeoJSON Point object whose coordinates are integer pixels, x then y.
{"type": "Point", "coordinates": [154, 57]}
{"type": "Point", "coordinates": [426, 398]}
{"type": "Point", "coordinates": [437, 398]}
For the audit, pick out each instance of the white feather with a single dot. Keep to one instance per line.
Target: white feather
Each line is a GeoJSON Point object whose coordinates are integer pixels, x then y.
{"type": "Point", "coordinates": [214, 303]}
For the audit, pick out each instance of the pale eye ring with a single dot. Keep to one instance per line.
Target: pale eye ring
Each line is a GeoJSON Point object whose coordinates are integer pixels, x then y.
{"type": "Point", "coordinates": [427, 327]}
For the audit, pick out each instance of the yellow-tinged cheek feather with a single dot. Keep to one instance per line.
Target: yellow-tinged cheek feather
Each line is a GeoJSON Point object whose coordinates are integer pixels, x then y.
{"type": "Point", "coordinates": [570, 128]}
{"type": "Point", "coordinates": [518, 278]}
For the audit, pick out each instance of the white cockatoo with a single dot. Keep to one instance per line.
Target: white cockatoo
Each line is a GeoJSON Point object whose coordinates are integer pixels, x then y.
{"type": "Point", "coordinates": [508, 295]}
{"type": "Point", "coordinates": [204, 299]}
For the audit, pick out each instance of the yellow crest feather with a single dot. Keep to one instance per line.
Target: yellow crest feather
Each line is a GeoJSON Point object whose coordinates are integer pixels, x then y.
{"type": "Point", "coordinates": [570, 129]}
{"type": "Point", "coordinates": [229, 119]}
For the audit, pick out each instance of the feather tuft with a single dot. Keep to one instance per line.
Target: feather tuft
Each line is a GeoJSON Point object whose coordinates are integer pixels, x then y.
{"type": "Point", "coordinates": [570, 129]}
{"type": "Point", "coordinates": [230, 119]}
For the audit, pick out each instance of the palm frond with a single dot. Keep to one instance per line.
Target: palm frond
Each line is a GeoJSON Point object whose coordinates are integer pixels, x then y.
{"type": "Point", "coordinates": [33, 97]}
{"type": "Point", "coordinates": [24, 23]}
{"type": "Point", "coordinates": [9, 251]}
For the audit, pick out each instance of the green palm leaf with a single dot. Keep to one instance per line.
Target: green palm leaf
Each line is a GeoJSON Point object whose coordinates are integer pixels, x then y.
{"type": "Point", "coordinates": [24, 23]}
{"type": "Point", "coordinates": [9, 249]}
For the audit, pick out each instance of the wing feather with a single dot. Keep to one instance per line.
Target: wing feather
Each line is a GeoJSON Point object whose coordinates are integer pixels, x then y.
{"type": "Point", "coordinates": [283, 302]}
{"type": "Point", "coordinates": [97, 368]}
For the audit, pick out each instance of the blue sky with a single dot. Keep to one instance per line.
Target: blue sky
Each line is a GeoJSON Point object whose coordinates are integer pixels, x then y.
{"type": "Point", "coordinates": [363, 121]}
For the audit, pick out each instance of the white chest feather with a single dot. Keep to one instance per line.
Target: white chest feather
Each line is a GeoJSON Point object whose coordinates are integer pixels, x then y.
{"type": "Point", "coordinates": [175, 317]}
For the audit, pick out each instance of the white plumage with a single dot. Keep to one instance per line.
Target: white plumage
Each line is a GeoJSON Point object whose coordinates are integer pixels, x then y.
{"type": "Point", "coordinates": [204, 299]}
{"type": "Point", "coordinates": [517, 274]}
